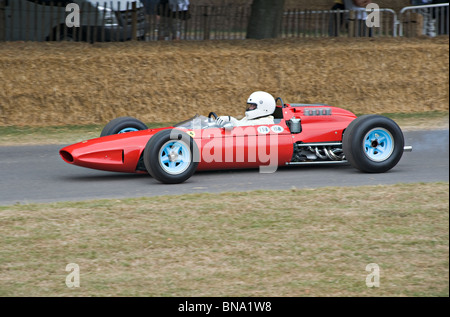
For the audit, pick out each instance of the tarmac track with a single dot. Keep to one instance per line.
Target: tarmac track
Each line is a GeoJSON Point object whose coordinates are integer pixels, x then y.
{"type": "Point", "coordinates": [36, 174]}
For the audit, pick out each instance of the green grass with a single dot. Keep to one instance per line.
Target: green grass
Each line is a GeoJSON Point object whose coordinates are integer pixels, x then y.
{"type": "Point", "coordinates": [429, 115]}
{"type": "Point", "coordinates": [16, 135]}
{"type": "Point", "coordinates": [311, 242]}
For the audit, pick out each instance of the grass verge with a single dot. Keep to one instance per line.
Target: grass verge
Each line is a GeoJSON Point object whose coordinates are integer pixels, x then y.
{"type": "Point", "coordinates": [314, 242]}
{"type": "Point", "coordinates": [16, 135]}
{"type": "Point", "coordinates": [421, 120]}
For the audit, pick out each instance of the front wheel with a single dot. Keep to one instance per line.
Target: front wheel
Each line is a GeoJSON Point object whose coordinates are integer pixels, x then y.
{"type": "Point", "coordinates": [373, 143]}
{"type": "Point", "coordinates": [123, 125]}
{"type": "Point", "coordinates": [171, 156]}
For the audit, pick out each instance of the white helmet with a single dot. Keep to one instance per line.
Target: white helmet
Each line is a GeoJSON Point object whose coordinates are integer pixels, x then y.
{"type": "Point", "coordinates": [260, 104]}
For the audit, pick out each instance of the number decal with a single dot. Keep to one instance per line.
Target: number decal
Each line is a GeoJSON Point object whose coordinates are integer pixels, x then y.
{"type": "Point", "coordinates": [277, 129]}
{"type": "Point", "coordinates": [263, 129]}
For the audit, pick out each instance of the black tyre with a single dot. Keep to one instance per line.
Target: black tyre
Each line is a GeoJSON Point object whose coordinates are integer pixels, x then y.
{"type": "Point", "coordinates": [171, 156]}
{"type": "Point", "coordinates": [373, 143]}
{"type": "Point", "coordinates": [122, 125]}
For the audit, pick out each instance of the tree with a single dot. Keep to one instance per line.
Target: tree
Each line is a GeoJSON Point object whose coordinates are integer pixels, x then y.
{"type": "Point", "coordinates": [265, 19]}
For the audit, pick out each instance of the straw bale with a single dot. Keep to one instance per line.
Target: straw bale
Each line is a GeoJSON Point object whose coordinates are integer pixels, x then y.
{"type": "Point", "coordinates": [79, 83]}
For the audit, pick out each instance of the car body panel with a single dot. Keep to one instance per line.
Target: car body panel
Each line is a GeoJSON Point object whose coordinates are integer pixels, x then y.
{"type": "Point", "coordinates": [103, 153]}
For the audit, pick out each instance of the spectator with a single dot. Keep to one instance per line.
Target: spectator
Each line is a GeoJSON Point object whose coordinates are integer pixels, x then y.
{"type": "Point", "coordinates": [334, 25]}
{"type": "Point", "coordinates": [151, 7]}
{"type": "Point", "coordinates": [429, 22]}
{"type": "Point", "coordinates": [359, 6]}
{"type": "Point", "coordinates": [441, 16]}
{"type": "Point", "coordinates": [163, 12]}
{"type": "Point", "coordinates": [338, 5]}
{"type": "Point", "coordinates": [173, 14]}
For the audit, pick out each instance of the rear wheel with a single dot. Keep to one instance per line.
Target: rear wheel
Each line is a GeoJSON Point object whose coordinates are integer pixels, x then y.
{"type": "Point", "coordinates": [171, 156]}
{"type": "Point", "coordinates": [373, 143]}
{"type": "Point", "coordinates": [123, 125]}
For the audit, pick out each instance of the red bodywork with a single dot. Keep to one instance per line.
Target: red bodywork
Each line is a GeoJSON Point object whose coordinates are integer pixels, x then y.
{"type": "Point", "coordinates": [222, 149]}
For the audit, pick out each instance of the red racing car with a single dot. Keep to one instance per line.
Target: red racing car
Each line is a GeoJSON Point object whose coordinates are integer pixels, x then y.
{"type": "Point", "coordinates": [301, 134]}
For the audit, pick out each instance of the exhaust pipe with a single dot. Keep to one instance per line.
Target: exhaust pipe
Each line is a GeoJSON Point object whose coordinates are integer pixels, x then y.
{"type": "Point", "coordinates": [407, 148]}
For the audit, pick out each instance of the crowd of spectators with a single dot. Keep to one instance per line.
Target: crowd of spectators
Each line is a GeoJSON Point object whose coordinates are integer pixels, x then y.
{"type": "Point", "coordinates": [435, 21]}
{"type": "Point", "coordinates": [171, 15]}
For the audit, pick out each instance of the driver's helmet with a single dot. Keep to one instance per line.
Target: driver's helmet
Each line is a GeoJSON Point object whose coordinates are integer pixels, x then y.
{"type": "Point", "coordinates": [260, 104]}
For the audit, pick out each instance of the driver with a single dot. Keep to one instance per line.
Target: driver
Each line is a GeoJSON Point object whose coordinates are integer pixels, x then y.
{"type": "Point", "coordinates": [260, 107]}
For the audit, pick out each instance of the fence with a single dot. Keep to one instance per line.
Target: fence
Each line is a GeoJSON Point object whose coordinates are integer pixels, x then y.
{"type": "Point", "coordinates": [307, 23]}
{"type": "Point", "coordinates": [428, 20]}
{"type": "Point", "coordinates": [40, 20]}
{"type": "Point", "coordinates": [227, 22]}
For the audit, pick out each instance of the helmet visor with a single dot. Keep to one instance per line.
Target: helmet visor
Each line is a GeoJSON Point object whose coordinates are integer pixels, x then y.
{"type": "Point", "coordinates": [251, 106]}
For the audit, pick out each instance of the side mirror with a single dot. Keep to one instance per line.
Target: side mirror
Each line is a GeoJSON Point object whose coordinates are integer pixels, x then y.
{"type": "Point", "coordinates": [228, 126]}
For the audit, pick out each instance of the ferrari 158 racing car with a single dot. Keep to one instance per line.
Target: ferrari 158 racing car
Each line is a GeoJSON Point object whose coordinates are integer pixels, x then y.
{"type": "Point", "coordinates": [301, 134]}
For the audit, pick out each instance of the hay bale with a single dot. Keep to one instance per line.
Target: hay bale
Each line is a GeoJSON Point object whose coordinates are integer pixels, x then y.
{"type": "Point", "coordinates": [413, 25]}
{"type": "Point", "coordinates": [78, 83]}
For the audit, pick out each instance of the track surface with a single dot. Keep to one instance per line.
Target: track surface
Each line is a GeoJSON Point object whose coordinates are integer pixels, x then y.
{"type": "Point", "coordinates": [31, 174]}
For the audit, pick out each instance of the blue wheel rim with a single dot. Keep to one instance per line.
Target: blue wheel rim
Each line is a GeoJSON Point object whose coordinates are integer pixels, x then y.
{"type": "Point", "coordinates": [174, 157]}
{"type": "Point", "coordinates": [125, 130]}
{"type": "Point", "coordinates": [378, 144]}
